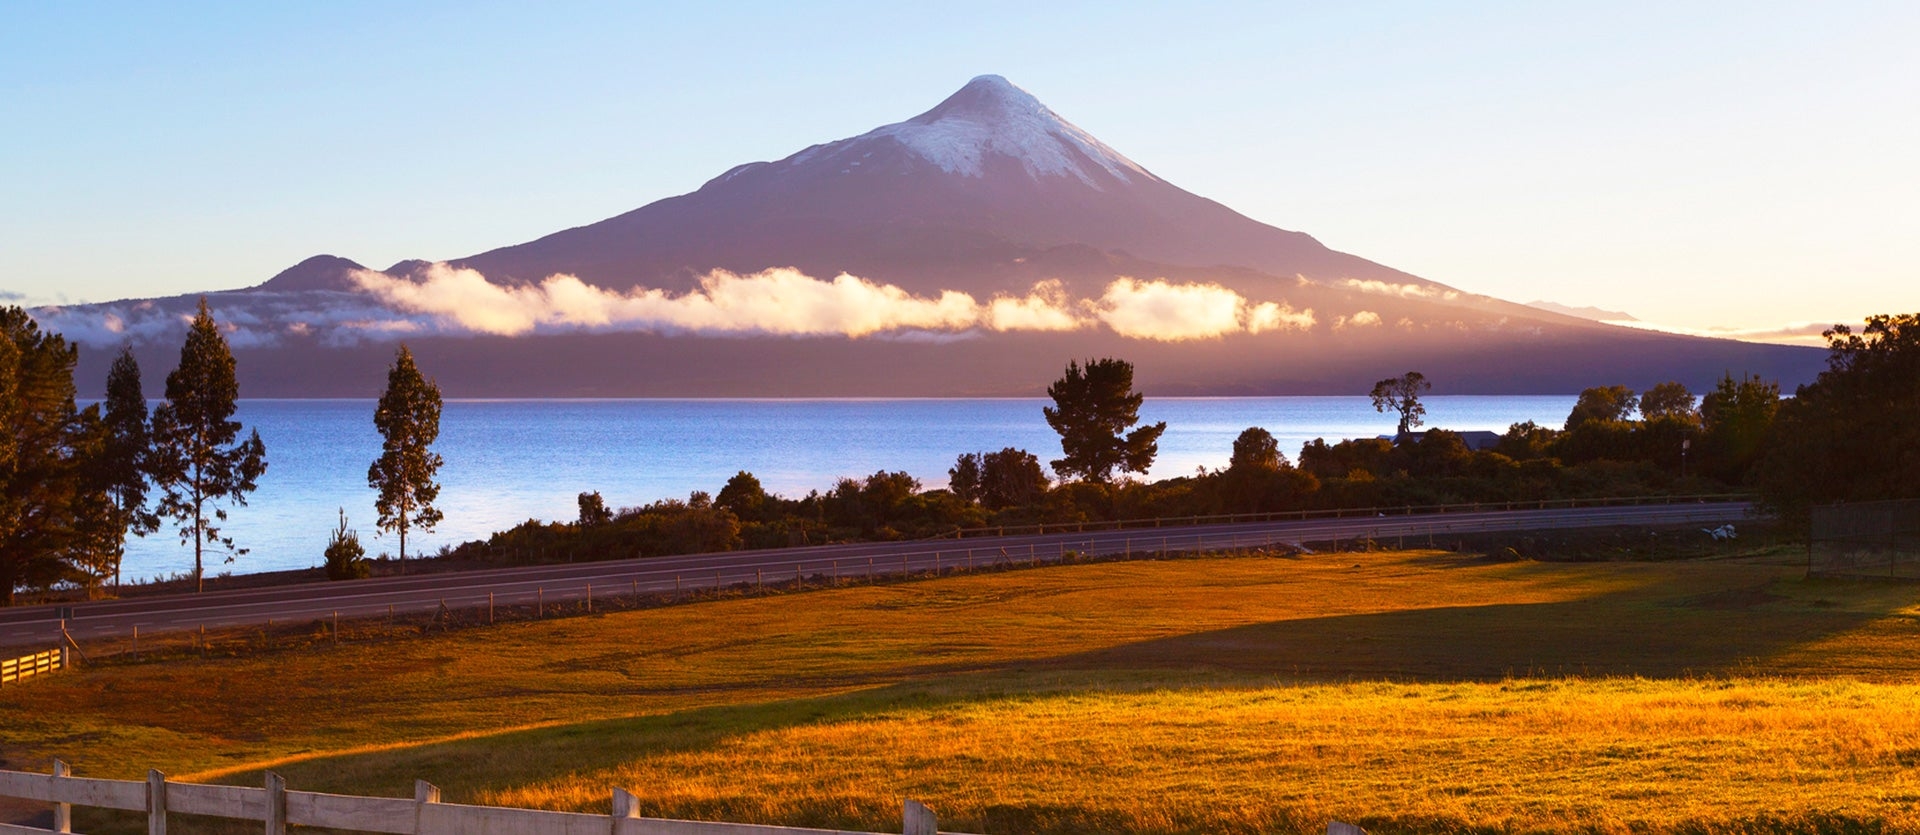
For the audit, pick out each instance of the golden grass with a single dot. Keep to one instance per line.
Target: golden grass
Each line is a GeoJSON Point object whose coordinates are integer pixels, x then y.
{"type": "Point", "coordinates": [1621, 755]}
{"type": "Point", "coordinates": [1412, 690]}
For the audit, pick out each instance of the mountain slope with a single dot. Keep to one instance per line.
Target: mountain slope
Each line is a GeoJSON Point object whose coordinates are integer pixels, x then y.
{"type": "Point", "coordinates": [988, 168]}
{"type": "Point", "coordinates": [987, 242]}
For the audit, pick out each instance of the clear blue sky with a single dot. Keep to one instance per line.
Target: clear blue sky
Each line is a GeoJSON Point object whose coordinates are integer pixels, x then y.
{"type": "Point", "coordinates": [1704, 165]}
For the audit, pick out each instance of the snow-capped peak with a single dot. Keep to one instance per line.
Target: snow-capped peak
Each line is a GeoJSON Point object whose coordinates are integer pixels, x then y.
{"type": "Point", "coordinates": [990, 116]}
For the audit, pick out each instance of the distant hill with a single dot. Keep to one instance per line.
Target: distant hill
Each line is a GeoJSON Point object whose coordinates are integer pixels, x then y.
{"type": "Point", "coordinates": [973, 249]}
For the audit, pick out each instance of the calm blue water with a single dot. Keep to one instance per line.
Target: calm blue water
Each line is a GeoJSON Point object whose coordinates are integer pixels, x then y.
{"type": "Point", "coordinates": [509, 461]}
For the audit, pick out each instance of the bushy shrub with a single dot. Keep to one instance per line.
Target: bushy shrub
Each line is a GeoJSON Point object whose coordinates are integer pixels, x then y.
{"type": "Point", "coordinates": [346, 560]}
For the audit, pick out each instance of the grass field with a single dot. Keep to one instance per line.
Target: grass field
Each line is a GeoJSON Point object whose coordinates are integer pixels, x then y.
{"type": "Point", "coordinates": [1413, 691]}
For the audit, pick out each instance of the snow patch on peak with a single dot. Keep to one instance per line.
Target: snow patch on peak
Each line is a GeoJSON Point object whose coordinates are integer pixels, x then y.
{"type": "Point", "coordinates": [990, 116]}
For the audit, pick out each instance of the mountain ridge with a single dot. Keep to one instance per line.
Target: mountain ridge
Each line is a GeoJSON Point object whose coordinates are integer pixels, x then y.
{"type": "Point", "coordinates": [972, 248]}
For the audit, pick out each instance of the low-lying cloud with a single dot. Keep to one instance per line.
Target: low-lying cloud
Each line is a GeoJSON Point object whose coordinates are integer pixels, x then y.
{"type": "Point", "coordinates": [1405, 291]}
{"type": "Point", "coordinates": [780, 302]}
{"type": "Point", "coordinates": [442, 299]}
{"type": "Point", "coordinates": [1360, 319]}
{"type": "Point", "coordinates": [1170, 312]}
{"type": "Point", "coordinates": [787, 302]}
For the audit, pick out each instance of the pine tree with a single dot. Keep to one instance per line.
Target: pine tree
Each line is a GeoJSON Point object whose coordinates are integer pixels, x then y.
{"type": "Point", "coordinates": [37, 478]}
{"type": "Point", "coordinates": [346, 559]}
{"type": "Point", "coordinates": [197, 462]}
{"type": "Point", "coordinates": [1092, 408]}
{"type": "Point", "coordinates": [120, 470]}
{"type": "Point", "coordinates": [408, 418]}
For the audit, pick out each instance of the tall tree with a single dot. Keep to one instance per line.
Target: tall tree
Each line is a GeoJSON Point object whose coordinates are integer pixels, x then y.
{"type": "Point", "coordinates": [1402, 394]}
{"type": "Point", "coordinates": [408, 418]}
{"type": "Point", "coordinates": [743, 495]}
{"type": "Point", "coordinates": [120, 468]}
{"type": "Point", "coordinates": [1853, 434]}
{"type": "Point", "coordinates": [1669, 401]}
{"type": "Point", "coordinates": [963, 479]}
{"type": "Point", "coordinates": [1602, 404]}
{"type": "Point", "coordinates": [1256, 449]}
{"type": "Point", "coordinates": [1011, 478]}
{"type": "Point", "coordinates": [37, 476]}
{"type": "Point", "coordinates": [1736, 416]}
{"type": "Point", "coordinates": [593, 510]}
{"type": "Point", "coordinates": [197, 462]}
{"type": "Point", "coordinates": [98, 533]}
{"type": "Point", "coordinates": [1093, 406]}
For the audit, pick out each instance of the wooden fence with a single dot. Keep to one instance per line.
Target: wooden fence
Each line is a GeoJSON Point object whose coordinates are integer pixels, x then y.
{"type": "Point", "coordinates": [277, 808]}
{"type": "Point", "coordinates": [27, 666]}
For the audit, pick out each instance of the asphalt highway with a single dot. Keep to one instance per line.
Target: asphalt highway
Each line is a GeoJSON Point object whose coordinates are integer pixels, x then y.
{"type": "Point", "coordinates": [571, 583]}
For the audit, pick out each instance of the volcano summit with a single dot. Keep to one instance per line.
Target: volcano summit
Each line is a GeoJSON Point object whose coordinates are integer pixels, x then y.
{"type": "Point", "coordinates": [970, 250]}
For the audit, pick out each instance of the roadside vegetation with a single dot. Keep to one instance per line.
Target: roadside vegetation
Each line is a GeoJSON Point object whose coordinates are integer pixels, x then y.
{"type": "Point", "coordinates": [1851, 435]}
{"type": "Point", "coordinates": [75, 484]}
{"type": "Point", "coordinates": [1409, 691]}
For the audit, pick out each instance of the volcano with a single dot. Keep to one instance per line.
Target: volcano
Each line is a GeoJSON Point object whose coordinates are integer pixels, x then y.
{"type": "Point", "coordinates": [973, 249]}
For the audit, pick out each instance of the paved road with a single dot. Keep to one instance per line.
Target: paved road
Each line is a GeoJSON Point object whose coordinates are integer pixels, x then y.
{"type": "Point", "coordinates": [33, 625]}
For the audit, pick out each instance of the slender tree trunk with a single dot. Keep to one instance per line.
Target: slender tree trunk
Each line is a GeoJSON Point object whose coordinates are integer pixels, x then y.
{"type": "Point", "coordinates": [199, 530]}
{"type": "Point", "coordinates": [199, 523]}
{"type": "Point", "coordinates": [403, 525]}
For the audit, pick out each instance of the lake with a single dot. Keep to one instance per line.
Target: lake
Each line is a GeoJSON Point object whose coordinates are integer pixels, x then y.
{"type": "Point", "coordinates": [512, 460]}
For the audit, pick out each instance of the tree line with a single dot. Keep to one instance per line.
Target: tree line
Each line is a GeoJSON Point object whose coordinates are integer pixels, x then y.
{"type": "Point", "coordinates": [1852, 434]}
{"type": "Point", "coordinates": [75, 483]}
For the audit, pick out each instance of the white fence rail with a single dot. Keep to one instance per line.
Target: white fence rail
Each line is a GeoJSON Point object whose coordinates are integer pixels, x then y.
{"type": "Point", "coordinates": [278, 808]}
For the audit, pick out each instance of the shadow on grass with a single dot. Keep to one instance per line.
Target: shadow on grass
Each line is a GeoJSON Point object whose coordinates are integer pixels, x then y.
{"type": "Point", "coordinates": [1674, 630]}
{"type": "Point", "coordinates": [1630, 633]}
{"type": "Point", "coordinates": [1730, 633]}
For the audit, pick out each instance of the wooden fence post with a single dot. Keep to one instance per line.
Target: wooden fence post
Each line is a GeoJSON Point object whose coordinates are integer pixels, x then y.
{"type": "Point", "coordinates": [276, 804]}
{"type": "Point", "coordinates": [156, 803]}
{"type": "Point", "coordinates": [917, 819]}
{"type": "Point", "coordinates": [62, 812]}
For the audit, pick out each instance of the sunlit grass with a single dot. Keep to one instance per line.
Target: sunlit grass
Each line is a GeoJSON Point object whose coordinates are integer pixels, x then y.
{"type": "Point", "coordinates": [1614, 755]}
{"type": "Point", "coordinates": [1420, 690]}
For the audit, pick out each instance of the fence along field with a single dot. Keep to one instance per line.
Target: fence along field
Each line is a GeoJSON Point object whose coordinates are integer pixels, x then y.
{"type": "Point", "coordinates": [278, 808]}
{"type": "Point", "coordinates": [14, 670]}
{"type": "Point", "coordinates": [1865, 539]}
